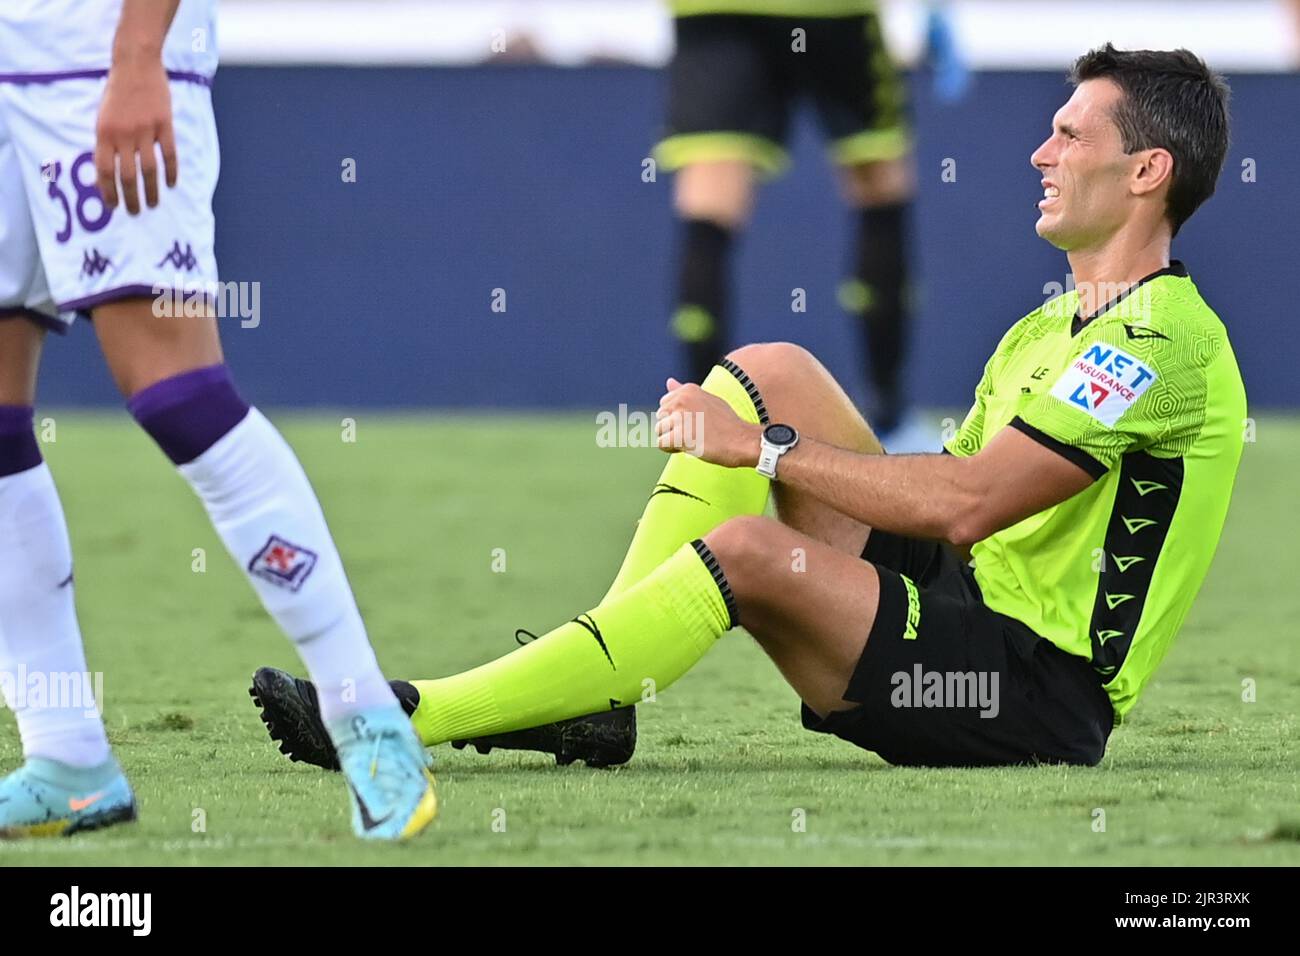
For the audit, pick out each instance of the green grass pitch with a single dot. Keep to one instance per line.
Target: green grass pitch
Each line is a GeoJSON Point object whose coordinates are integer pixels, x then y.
{"type": "Point", "coordinates": [723, 773]}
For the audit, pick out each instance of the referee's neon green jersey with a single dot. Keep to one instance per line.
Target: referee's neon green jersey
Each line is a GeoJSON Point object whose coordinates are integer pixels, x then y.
{"type": "Point", "coordinates": [1146, 396]}
{"type": "Point", "coordinates": [774, 8]}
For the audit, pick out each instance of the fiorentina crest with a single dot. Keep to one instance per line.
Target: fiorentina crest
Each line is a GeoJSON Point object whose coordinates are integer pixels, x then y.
{"type": "Point", "coordinates": [282, 563]}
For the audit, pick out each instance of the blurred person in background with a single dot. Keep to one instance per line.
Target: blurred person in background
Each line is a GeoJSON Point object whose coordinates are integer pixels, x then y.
{"type": "Point", "coordinates": [740, 69]}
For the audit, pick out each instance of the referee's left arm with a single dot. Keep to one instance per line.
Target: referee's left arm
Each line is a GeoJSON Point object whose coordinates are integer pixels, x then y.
{"type": "Point", "coordinates": [960, 500]}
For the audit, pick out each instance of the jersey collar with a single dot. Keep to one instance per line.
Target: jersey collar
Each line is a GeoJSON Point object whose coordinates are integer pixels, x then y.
{"type": "Point", "coordinates": [1175, 268]}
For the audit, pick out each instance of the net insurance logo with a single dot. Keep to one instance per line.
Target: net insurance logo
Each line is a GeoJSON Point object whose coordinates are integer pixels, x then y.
{"type": "Point", "coordinates": [1104, 382]}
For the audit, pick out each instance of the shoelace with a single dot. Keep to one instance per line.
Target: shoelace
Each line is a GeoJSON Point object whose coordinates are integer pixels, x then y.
{"type": "Point", "coordinates": [374, 755]}
{"type": "Point", "coordinates": [395, 771]}
{"type": "Point", "coordinates": [527, 633]}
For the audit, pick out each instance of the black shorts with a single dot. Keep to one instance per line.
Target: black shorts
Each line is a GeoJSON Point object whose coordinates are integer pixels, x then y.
{"type": "Point", "coordinates": [937, 661]}
{"type": "Point", "coordinates": [735, 80]}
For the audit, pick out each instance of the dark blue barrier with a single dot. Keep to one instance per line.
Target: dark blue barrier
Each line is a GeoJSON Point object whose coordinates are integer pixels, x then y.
{"type": "Point", "coordinates": [526, 179]}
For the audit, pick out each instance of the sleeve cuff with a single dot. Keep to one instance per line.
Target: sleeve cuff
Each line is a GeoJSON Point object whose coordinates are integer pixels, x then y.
{"type": "Point", "coordinates": [1074, 455]}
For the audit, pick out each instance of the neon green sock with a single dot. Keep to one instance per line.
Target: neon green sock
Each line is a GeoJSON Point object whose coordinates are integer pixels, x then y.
{"type": "Point", "coordinates": [692, 496]}
{"type": "Point", "coordinates": [653, 632]}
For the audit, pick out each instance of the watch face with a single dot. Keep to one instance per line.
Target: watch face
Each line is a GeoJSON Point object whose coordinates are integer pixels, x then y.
{"type": "Point", "coordinates": [779, 434]}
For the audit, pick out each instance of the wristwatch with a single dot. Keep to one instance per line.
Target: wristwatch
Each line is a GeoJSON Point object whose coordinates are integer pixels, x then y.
{"type": "Point", "coordinates": [777, 440]}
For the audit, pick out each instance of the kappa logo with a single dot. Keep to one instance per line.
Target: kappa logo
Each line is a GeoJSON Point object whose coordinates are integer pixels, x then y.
{"type": "Point", "coordinates": [1104, 382]}
{"type": "Point", "coordinates": [180, 259]}
{"type": "Point", "coordinates": [282, 563]}
{"type": "Point", "coordinates": [93, 263]}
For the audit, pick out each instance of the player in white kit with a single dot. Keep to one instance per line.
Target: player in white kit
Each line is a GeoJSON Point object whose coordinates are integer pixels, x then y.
{"type": "Point", "coordinates": [108, 162]}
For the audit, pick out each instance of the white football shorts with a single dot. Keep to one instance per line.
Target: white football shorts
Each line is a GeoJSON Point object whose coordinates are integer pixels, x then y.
{"type": "Point", "coordinates": [62, 251]}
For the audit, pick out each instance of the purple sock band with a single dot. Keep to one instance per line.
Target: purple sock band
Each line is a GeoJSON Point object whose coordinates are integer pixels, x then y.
{"type": "Point", "coordinates": [188, 413]}
{"type": "Point", "coordinates": [18, 448]}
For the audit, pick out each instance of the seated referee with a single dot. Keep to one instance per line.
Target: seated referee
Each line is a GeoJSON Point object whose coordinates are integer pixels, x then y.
{"type": "Point", "coordinates": [1004, 603]}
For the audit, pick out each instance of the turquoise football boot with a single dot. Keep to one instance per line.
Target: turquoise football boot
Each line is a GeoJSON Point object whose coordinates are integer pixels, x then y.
{"type": "Point", "coordinates": [387, 772]}
{"type": "Point", "coordinates": [44, 798]}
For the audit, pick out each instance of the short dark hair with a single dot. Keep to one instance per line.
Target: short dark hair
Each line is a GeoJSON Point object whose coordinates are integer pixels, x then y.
{"type": "Point", "coordinates": [1171, 100]}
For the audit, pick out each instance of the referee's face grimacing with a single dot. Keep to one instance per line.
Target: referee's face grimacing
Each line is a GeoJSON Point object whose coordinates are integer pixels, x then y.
{"type": "Point", "coordinates": [1085, 171]}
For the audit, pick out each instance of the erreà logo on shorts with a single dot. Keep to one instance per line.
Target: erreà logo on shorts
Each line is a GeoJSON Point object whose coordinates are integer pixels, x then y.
{"type": "Point", "coordinates": [131, 910]}
{"type": "Point", "coordinates": [1104, 382]}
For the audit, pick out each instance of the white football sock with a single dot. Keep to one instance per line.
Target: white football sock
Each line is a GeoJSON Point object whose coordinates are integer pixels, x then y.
{"type": "Point", "coordinates": [42, 663]}
{"type": "Point", "coordinates": [265, 511]}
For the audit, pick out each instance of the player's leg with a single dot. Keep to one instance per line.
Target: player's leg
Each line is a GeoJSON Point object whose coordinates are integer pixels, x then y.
{"type": "Point", "coordinates": [169, 366]}
{"type": "Point", "coordinates": [809, 605]}
{"type": "Point", "coordinates": [265, 511]}
{"type": "Point", "coordinates": [69, 780]}
{"type": "Point", "coordinates": [726, 120]}
{"type": "Point", "coordinates": [880, 193]}
{"type": "Point", "coordinates": [39, 634]}
{"type": "Point", "coordinates": [21, 341]}
{"type": "Point", "coordinates": [712, 200]}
